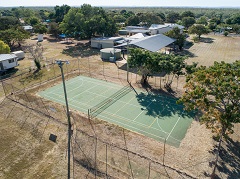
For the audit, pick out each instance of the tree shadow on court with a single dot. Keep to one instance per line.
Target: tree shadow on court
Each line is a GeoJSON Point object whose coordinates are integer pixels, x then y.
{"type": "Point", "coordinates": [161, 105]}
{"type": "Point", "coordinates": [229, 162]}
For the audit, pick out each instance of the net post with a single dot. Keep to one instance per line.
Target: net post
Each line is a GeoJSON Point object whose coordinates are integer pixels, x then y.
{"type": "Point", "coordinates": [89, 114]}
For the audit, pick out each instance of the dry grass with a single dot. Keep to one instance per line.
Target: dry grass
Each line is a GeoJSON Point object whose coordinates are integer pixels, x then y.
{"type": "Point", "coordinates": [26, 152]}
{"type": "Point", "coordinates": [215, 48]}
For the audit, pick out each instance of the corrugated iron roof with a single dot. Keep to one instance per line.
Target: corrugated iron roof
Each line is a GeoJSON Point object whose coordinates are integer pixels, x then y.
{"type": "Point", "coordinates": [153, 43]}
{"type": "Point", "coordinates": [4, 57]}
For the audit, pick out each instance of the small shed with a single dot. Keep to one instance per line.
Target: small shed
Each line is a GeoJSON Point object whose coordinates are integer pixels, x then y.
{"type": "Point", "coordinates": [8, 61]}
{"type": "Point", "coordinates": [104, 42]}
{"type": "Point", "coordinates": [110, 54]}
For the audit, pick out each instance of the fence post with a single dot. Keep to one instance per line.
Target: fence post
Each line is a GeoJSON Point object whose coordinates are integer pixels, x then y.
{"type": "Point", "coordinates": [106, 161]}
{"type": "Point", "coordinates": [164, 149]}
{"type": "Point", "coordinates": [78, 67]}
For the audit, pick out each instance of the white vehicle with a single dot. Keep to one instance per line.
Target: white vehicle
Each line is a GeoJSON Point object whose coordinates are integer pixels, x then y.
{"type": "Point", "coordinates": [8, 61]}
{"type": "Point", "coordinates": [20, 54]}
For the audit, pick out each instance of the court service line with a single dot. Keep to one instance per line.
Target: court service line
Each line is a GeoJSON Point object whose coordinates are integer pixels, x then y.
{"type": "Point", "coordinates": [117, 100]}
{"type": "Point", "coordinates": [142, 111]}
{"type": "Point", "coordinates": [83, 91]}
{"type": "Point", "coordinates": [67, 82]}
{"type": "Point", "coordinates": [126, 103]}
{"type": "Point", "coordinates": [62, 102]}
{"type": "Point", "coordinates": [134, 128]}
{"type": "Point", "coordinates": [173, 128]}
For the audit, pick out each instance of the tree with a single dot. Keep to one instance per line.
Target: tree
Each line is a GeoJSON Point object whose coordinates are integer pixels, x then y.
{"type": "Point", "coordinates": [4, 48]}
{"type": "Point", "coordinates": [34, 21]}
{"type": "Point", "coordinates": [236, 19]}
{"type": "Point", "coordinates": [236, 28]}
{"type": "Point", "coordinates": [162, 16]}
{"type": "Point", "coordinates": [36, 51]}
{"type": "Point", "coordinates": [215, 91]}
{"type": "Point", "coordinates": [198, 30]}
{"type": "Point", "coordinates": [188, 21]}
{"type": "Point", "coordinates": [87, 22]}
{"type": "Point", "coordinates": [176, 34]}
{"type": "Point", "coordinates": [172, 17]}
{"type": "Point", "coordinates": [202, 20]}
{"type": "Point", "coordinates": [14, 35]}
{"type": "Point", "coordinates": [188, 14]}
{"type": "Point", "coordinates": [149, 18]}
{"type": "Point", "coordinates": [54, 29]}
{"type": "Point", "coordinates": [60, 12]}
{"type": "Point", "coordinates": [212, 26]}
{"type": "Point", "coordinates": [133, 20]}
{"type": "Point", "coordinates": [148, 63]}
{"type": "Point", "coordinates": [40, 28]}
{"type": "Point", "coordinates": [8, 22]}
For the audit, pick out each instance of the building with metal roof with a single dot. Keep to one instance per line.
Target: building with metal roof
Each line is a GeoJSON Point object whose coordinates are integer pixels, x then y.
{"type": "Point", "coordinates": [163, 28]}
{"type": "Point", "coordinates": [152, 43]}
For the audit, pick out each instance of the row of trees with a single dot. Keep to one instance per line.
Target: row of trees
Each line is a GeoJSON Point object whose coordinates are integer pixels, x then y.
{"type": "Point", "coordinates": [87, 21]}
{"type": "Point", "coordinates": [148, 63]}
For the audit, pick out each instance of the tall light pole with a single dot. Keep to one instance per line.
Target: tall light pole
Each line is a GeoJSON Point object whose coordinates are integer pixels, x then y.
{"type": "Point", "coordinates": [127, 61]}
{"type": "Point", "coordinates": [60, 64]}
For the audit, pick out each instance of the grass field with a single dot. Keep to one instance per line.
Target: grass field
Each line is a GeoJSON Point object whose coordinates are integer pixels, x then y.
{"type": "Point", "coordinates": [155, 116]}
{"type": "Point", "coordinates": [215, 48]}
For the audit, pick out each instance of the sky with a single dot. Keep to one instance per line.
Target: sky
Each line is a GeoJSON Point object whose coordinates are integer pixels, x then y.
{"type": "Point", "coordinates": [136, 3]}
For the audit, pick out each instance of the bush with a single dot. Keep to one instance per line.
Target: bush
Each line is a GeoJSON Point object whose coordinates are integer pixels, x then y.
{"type": "Point", "coordinates": [195, 39]}
{"type": "Point", "coordinates": [225, 34]}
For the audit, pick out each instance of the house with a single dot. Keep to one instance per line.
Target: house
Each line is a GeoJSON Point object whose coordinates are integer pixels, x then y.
{"type": "Point", "coordinates": [131, 30]}
{"type": "Point", "coordinates": [163, 28]}
{"type": "Point", "coordinates": [104, 42]}
{"type": "Point", "coordinates": [8, 61]}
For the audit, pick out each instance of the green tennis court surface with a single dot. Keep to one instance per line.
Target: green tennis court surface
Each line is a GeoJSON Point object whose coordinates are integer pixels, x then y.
{"type": "Point", "coordinates": [155, 116]}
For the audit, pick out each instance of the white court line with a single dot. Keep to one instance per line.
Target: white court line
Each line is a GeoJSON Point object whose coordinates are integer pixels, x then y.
{"type": "Point", "coordinates": [76, 79]}
{"type": "Point", "coordinates": [173, 128]}
{"type": "Point", "coordinates": [120, 117]}
{"type": "Point", "coordinates": [105, 112]}
{"type": "Point", "coordinates": [98, 95]}
{"type": "Point", "coordinates": [119, 101]}
{"type": "Point", "coordinates": [137, 129]}
{"type": "Point", "coordinates": [142, 111]}
{"type": "Point", "coordinates": [83, 91]}
{"type": "Point", "coordinates": [60, 101]}
{"type": "Point", "coordinates": [126, 103]}
{"type": "Point", "coordinates": [68, 82]}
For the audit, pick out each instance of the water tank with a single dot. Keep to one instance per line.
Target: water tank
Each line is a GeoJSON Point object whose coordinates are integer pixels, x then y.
{"type": "Point", "coordinates": [110, 54]}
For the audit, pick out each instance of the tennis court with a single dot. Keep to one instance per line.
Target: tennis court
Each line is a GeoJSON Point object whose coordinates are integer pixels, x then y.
{"type": "Point", "coordinates": [155, 116]}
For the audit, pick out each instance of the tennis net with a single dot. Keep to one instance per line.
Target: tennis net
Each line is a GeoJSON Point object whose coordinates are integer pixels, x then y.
{"type": "Point", "coordinates": [100, 107]}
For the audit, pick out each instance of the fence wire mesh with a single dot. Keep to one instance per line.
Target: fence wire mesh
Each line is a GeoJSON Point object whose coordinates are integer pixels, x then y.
{"type": "Point", "coordinates": [92, 157]}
